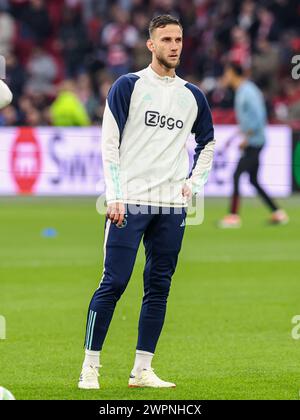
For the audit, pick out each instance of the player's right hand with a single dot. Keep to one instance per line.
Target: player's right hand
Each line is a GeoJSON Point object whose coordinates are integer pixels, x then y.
{"type": "Point", "coordinates": [116, 213]}
{"type": "Point", "coordinates": [187, 191]}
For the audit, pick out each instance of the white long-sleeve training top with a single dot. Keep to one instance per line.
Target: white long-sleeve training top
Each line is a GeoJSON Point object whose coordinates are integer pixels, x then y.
{"type": "Point", "coordinates": [146, 124]}
{"type": "Point", "coordinates": [5, 95]}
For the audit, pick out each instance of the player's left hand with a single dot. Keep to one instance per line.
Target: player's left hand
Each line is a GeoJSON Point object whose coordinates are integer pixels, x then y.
{"type": "Point", "coordinates": [186, 192]}
{"type": "Point", "coordinates": [243, 145]}
{"type": "Point", "coordinates": [116, 213]}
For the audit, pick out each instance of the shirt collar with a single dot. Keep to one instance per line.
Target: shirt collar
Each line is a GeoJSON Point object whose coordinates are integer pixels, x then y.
{"type": "Point", "coordinates": [165, 79]}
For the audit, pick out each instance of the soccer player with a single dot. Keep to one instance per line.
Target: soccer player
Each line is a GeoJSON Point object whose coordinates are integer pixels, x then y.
{"type": "Point", "coordinates": [251, 116]}
{"type": "Point", "coordinates": [5, 95]}
{"type": "Point", "coordinates": [148, 118]}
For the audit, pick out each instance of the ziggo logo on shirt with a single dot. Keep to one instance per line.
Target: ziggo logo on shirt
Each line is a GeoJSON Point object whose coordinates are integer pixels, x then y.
{"type": "Point", "coordinates": [153, 119]}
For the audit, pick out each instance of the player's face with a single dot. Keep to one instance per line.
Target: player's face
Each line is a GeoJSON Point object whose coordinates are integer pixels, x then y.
{"type": "Point", "coordinates": [227, 78]}
{"type": "Point", "coordinates": [166, 45]}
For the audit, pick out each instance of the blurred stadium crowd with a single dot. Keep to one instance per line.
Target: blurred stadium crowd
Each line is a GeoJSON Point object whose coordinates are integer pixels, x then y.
{"type": "Point", "coordinates": [63, 55]}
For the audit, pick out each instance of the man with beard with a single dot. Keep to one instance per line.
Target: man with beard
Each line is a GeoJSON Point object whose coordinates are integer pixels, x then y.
{"type": "Point", "coordinates": [148, 118]}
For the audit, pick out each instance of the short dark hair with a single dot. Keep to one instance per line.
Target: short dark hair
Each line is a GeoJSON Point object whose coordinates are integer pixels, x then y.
{"type": "Point", "coordinates": [161, 21]}
{"type": "Point", "coordinates": [236, 68]}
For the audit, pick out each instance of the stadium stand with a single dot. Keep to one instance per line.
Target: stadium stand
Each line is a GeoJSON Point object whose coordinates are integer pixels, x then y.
{"type": "Point", "coordinates": [89, 44]}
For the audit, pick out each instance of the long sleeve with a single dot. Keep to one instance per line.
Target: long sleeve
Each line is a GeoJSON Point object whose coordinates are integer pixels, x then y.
{"type": "Point", "coordinates": [114, 120]}
{"type": "Point", "coordinates": [110, 156]}
{"type": "Point", "coordinates": [250, 113]}
{"type": "Point", "coordinates": [205, 142]}
{"type": "Point", "coordinates": [5, 95]}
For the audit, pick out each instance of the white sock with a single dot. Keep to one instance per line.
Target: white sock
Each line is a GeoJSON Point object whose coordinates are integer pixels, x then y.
{"type": "Point", "coordinates": [142, 361]}
{"type": "Point", "coordinates": [92, 358]}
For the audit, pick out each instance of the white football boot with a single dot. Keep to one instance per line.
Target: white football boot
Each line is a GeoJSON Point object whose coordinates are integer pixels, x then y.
{"type": "Point", "coordinates": [230, 221]}
{"type": "Point", "coordinates": [279, 217]}
{"type": "Point", "coordinates": [146, 378]}
{"type": "Point", "coordinates": [89, 378]}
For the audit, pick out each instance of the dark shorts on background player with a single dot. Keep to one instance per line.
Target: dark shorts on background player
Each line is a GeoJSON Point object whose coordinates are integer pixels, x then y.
{"type": "Point", "coordinates": [249, 162]}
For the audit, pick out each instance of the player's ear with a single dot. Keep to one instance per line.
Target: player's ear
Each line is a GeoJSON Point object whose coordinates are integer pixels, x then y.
{"type": "Point", "coordinates": [150, 45]}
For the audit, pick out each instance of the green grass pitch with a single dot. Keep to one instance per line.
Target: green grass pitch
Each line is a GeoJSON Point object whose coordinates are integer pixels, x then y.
{"type": "Point", "coordinates": [228, 328]}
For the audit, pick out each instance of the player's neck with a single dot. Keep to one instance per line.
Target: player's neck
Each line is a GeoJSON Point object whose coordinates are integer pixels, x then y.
{"type": "Point", "coordinates": [237, 82]}
{"type": "Point", "coordinates": [161, 70]}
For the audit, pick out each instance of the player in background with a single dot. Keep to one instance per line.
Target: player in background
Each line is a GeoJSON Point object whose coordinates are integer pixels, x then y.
{"type": "Point", "coordinates": [5, 95]}
{"type": "Point", "coordinates": [251, 115]}
{"type": "Point", "coordinates": [148, 118]}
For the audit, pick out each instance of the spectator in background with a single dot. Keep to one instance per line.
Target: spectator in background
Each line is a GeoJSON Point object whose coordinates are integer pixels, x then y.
{"type": "Point", "coordinates": [287, 103]}
{"type": "Point", "coordinates": [15, 76]}
{"type": "Point", "coordinates": [208, 62]}
{"type": "Point", "coordinates": [247, 19]}
{"type": "Point", "coordinates": [36, 21]}
{"type": "Point", "coordinates": [4, 4]}
{"type": "Point", "coordinates": [286, 12]}
{"type": "Point", "coordinates": [268, 27]}
{"type": "Point", "coordinates": [25, 106]}
{"type": "Point", "coordinates": [87, 96]}
{"type": "Point", "coordinates": [92, 8]}
{"type": "Point", "coordinates": [162, 7]}
{"type": "Point", "coordinates": [265, 66]}
{"type": "Point", "coordinates": [73, 41]}
{"type": "Point", "coordinates": [42, 71]}
{"type": "Point", "coordinates": [240, 51]}
{"type": "Point", "coordinates": [7, 32]}
{"type": "Point", "coordinates": [9, 117]}
{"type": "Point", "coordinates": [223, 32]}
{"type": "Point", "coordinates": [138, 5]}
{"type": "Point", "coordinates": [103, 82]}
{"type": "Point", "coordinates": [34, 118]}
{"type": "Point", "coordinates": [33, 110]}
{"type": "Point", "coordinates": [119, 37]}
{"type": "Point", "coordinates": [67, 110]}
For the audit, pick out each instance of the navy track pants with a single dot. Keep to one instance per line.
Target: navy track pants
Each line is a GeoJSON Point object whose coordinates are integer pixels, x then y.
{"type": "Point", "coordinates": [162, 237]}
